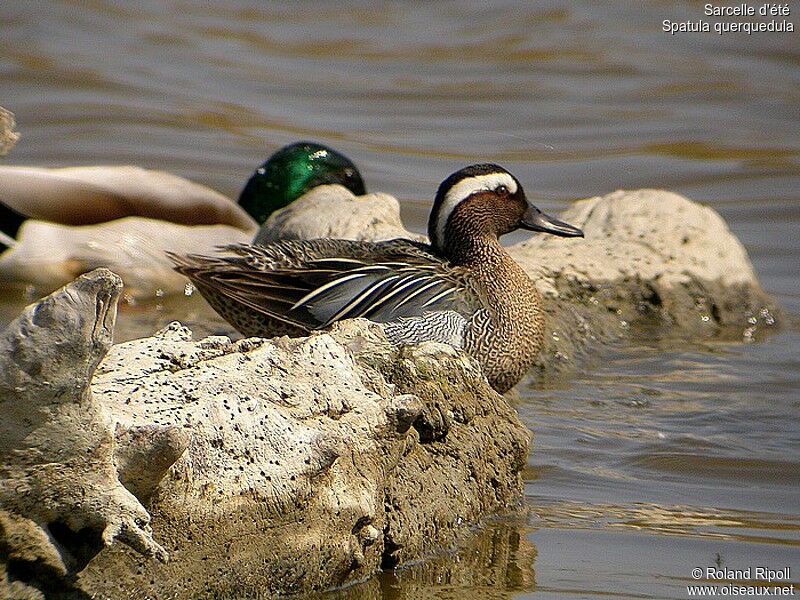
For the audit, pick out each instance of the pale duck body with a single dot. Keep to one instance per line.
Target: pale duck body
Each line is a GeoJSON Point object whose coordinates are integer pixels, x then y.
{"type": "Point", "coordinates": [61, 222]}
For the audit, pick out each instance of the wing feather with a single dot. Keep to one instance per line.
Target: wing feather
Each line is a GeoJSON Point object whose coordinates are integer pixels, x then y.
{"type": "Point", "coordinates": [313, 283]}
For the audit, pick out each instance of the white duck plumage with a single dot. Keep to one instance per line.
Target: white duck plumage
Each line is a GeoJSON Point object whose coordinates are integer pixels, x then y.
{"type": "Point", "coordinates": [123, 218]}
{"type": "Point", "coordinates": [49, 255]}
{"type": "Point", "coordinates": [97, 194]}
{"type": "Point", "coordinates": [126, 217]}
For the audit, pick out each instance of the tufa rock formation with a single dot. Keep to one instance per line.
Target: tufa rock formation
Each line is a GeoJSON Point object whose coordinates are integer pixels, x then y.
{"type": "Point", "coordinates": [282, 466]}
{"type": "Point", "coordinates": [61, 500]}
{"type": "Point", "coordinates": [266, 466]}
{"type": "Point", "coordinates": [8, 137]}
{"type": "Point", "coordinates": [332, 211]}
{"type": "Point", "coordinates": [650, 259]}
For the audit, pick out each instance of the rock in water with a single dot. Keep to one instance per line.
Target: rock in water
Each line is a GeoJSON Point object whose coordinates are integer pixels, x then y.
{"type": "Point", "coordinates": [268, 466]}
{"type": "Point", "coordinates": [8, 137]}
{"type": "Point", "coordinates": [290, 465]}
{"type": "Point", "coordinates": [649, 257]}
{"type": "Point", "coordinates": [58, 480]}
{"type": "Point", "coordinates": [331, 211]}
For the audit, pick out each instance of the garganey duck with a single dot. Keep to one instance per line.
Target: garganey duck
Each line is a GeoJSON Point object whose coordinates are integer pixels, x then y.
{"type": "Point", "coordinates": [58, 223]}
{"type": "Point", "coordinates": [463, 288]}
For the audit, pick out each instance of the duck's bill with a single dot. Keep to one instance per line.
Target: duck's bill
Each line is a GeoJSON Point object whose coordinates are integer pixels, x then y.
{"type": "Point", "coordinates": [536, 220]}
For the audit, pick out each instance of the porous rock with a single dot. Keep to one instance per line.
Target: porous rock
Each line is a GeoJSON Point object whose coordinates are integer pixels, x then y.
{"type": "Point", "coordinates": [650, 258]}
{"type": "Point", "coordinates": [60, 496]}
{"type": "Point", "coordinates": [333, 211]}
{"type": "Point", "coordinates": [8, 137]}
{"type": "Point", "coordinates": [266, 466]}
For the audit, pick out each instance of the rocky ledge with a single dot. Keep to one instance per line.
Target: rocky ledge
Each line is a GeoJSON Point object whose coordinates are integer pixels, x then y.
{"type": "Point", "coordinates": [173, 468]}
{"type": "Point", "coordinates": [8, 137]}
{"type": "Point", "coordinates": [651, 259]}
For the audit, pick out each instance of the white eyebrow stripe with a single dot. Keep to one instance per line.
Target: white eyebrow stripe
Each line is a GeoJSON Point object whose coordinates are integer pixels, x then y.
{"type": "Point", "coordinates": [463, 190]}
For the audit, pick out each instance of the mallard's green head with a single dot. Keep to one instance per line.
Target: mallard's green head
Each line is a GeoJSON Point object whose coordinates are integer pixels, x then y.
{"type": "Point", "coordinates": [291, 172]}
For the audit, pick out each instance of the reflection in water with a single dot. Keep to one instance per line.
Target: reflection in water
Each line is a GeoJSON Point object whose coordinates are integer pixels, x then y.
{"type": "Point", "coordinates": [493, 562]}
{"type": "Point", "coordinates": [654, 457]}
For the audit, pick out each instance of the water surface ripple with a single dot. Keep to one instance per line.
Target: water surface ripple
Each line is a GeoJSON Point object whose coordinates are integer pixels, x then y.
{"type": "Point", "coordinates": [658, 456]}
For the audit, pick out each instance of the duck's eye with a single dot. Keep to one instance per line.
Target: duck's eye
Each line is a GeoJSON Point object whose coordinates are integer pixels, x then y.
{"type": "Point", "coordinates": [501, 190]}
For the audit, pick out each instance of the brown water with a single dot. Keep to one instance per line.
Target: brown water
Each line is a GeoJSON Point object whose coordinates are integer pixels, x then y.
{"type": "Point", "coordinates": [657, 457]}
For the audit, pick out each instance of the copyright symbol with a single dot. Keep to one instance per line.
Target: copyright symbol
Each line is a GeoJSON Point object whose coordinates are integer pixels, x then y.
{"type": "Point", "coordinates": [697, 573]}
